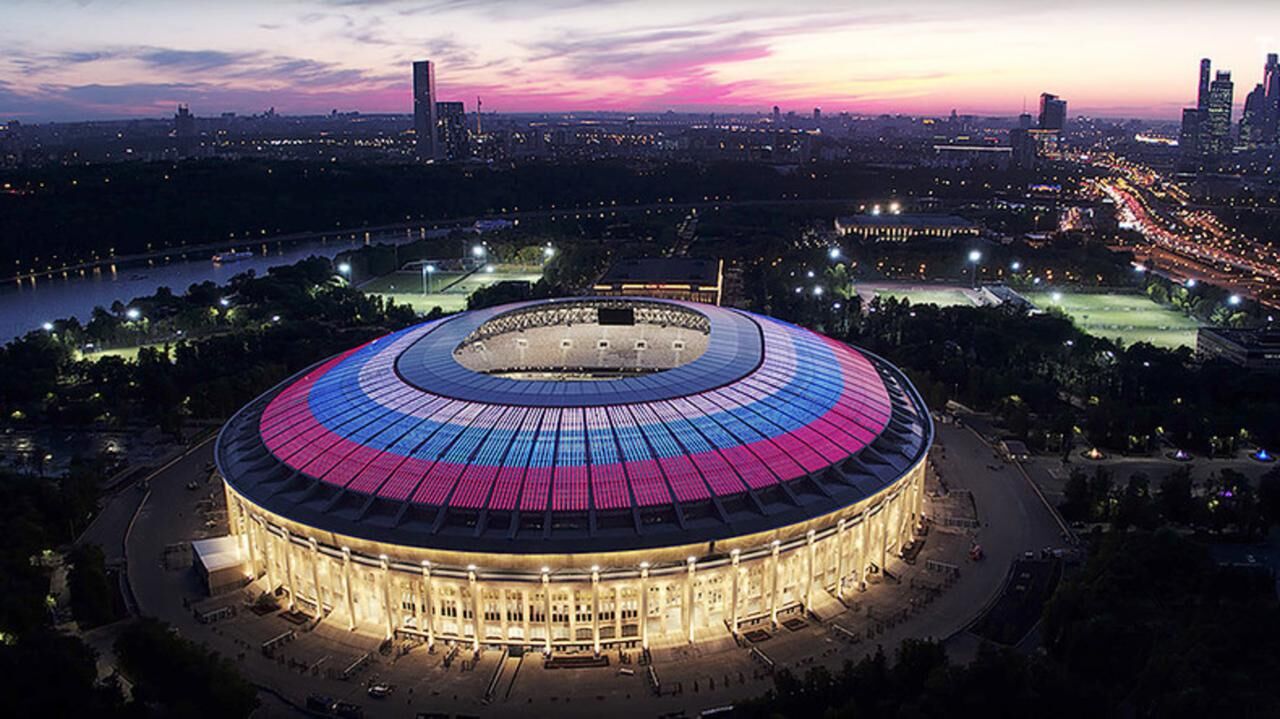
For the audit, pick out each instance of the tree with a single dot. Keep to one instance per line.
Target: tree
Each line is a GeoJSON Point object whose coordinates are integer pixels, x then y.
{"type": "Point", "coordinates": [179, 677]}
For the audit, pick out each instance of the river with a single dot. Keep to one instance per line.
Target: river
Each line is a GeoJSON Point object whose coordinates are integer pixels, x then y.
{"type": "Point", "coordinates": [26, 305]}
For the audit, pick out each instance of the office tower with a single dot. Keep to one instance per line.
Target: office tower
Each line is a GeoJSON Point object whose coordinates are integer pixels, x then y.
{"type": "Point", "coordinates": [777, 116]}
{"type": "Point", "coordinates": [1221, 91]}
{"type": "Point", "coordinates": [1024, 121]}
{"type": "Point", "coordinates": [1053, 112]}
{"type": "Point", "coordinates": [817, 114]}
{"type": "Point", "coordinates": [184, 129]}
{"type": "Point", "coordinates": [1253, 119]}
{"type": "Point", "coordinates": [1271, 86]}
{"type": "Point", "coordinates": [1192, 140]}
{"type": "Point", "coordinates": [1202, 96]}
{"type": "Point", "coordinates": [1024, 147]}
{"type": "Point", "coordinates": [425, 136]}
{"type": "Point", "coordinates": [452, 134]}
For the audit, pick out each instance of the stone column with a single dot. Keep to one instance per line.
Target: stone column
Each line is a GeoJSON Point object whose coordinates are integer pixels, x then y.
{"type": "Point", "coordinates": [286, 545]}
{"type": "Point", "coordinates": [644, 604]}
{"type": "Point", "coordinates": [884, 536]}
{"type": "Point", "coordinates": [346, 588]}
{"type": "Point", "coordinates": [595, 610]}
{"type": "Point", "coordinates": [524, 615]}
{"type": "Point", "coordinates": [477, 617]}
{"type": "Point", "coordinates": [502, 612]}
{"type": "Point", "coordinates": [617, 611]}
{"type": "Point", "coordinates": [864, 547]}
{"type": "Point", "coordinates": [251, 529]}
{"type": "Point", "coordinates": [734, 571]}
{"type": "Point", "coordinates": [812, 573]}
{"type": "Point", "coordinates": [841, 539]}
{"type": "Point", "coordinates": [546, 598]}
{"type": "Point", "coordinates": [688, 609]}
{"type": "Point", "coordinates": [315, 575]}
{"type": "Point", "coordinates": [774, 589]}
{"type": "Point", "coordinates": [385, 565]}
{"type": "Point", "coordinates": [429, 604]}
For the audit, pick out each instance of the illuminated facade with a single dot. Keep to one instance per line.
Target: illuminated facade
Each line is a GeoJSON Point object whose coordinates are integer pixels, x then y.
{"type": "Point", "coordinates": [451, 483]}
{"type": "Point", "coordinates": [900, 228]}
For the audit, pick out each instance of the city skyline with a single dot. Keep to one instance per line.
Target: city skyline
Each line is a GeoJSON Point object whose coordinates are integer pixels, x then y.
{"type": "Point", "coordinates": [564, 55]}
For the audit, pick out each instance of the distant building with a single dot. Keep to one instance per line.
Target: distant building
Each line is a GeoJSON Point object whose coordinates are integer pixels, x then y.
{"type": "Point", "coordinates": [1024, 121]}
{"type": "Point", "coordinates": [1053, 112]}
{"type": "Point", "coordinates": [1193, 139]}
{"type": "Point", "coordinates": [901, 228]}
{"type": "Point", "coordinates": [1271, 83]}
{"type": "Point", "coordinates": [777, 116]}
{"type": "Point", "coordinates": [1202, 93]}
{"type": "Point", "coordinates": [817, 114]}
{"type": "Point", "coordinates": [1253, 350]}
{"type": "Point", "coordinates": [1254, 118]}
{"type": "Point", "coordinates": [993, 157]}
{"type": "Point", "coordinates": [1022, 146]}
{"type": "Point", "coordinates": [1221, 92]}
{"type": "Point", "coordinates": [184, 129]}
{"type": "Point", "coordinates": [681, 278]}
{"type": "Point", "coordinates": [452, 136]}
{"type": "Point", "coordinates": [425, 136]}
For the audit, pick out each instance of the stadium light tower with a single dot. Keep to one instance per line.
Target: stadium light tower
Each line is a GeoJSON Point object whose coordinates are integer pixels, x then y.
{"type": "Point", "coordinates": [975, 258]}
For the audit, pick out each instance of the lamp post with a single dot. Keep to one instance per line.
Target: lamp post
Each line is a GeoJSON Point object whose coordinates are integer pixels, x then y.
{"type": "Point", "coordinates": [975, 257]}
{"type": "Point", "coordinates": [427, 271]}
{"type": "Point", "coordinates": [344, 269]}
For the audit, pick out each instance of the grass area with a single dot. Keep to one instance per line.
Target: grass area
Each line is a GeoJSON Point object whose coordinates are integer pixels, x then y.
{"type": "Point", "coordinates": [1130, 317]}
{"type": "Point", "coordinates": [128, 353]}
{"type": "Point", "coordinates": [406, 287]}
{"type": "Point", "coordinates": [941, 298]}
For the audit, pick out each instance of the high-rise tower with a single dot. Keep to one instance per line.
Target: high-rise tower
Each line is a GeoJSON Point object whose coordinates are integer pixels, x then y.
{"type": "Point", "coordinates": [1253, 120]}
{"type": "Point", "coordinates": [1053, 112]}
{"type": "Point", "coordinates": [1221, 93]}
{"type": "Point", "coordinates": [425, 135]}
{"type": "Point", "coordinates": [1202, 97]}
{"type": "Point", "coordinates": [1271, 89]}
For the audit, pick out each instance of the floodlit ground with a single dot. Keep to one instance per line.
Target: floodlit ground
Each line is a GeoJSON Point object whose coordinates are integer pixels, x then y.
{"type": "Point", "coordinates": [450, 290]}
{"type": "Point", "coordinates": [942, 296]}
{"type": "Point", "coordinates": [128, 353]}
{"type": "Point", "coordinates": [1130, 317]}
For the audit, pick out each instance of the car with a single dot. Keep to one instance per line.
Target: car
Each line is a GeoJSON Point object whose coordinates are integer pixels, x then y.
{"type": "Point", "coordinates": [380, 690]}
{"type": "Point", "coordinates": [193, 485]}
{"type": "Point", "coordinates": [347, 710]}
{"type": "Point", "coordinates": [1028, 554]}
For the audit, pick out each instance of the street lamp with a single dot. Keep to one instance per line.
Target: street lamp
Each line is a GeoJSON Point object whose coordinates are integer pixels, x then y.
{"type": "Point", "coordinates": [224, 302]}
{"type": "Point", "coordinates": [834, 253]}
{"type": "Point", "coordinates": [974, 258]}
{"type": "Point", "coordinates": [133, 313]}
{"type": "Point", "coordinates": [344, 268]}
{"type": "Point", "coordinates": [548, 252]}
{"type": "Point", "coordinates": [427, 272]}
{"type": "Point", "coordinates": [477, 251]}
{"type": "Point", "coordinates": [1233, 300]}
{"type": "Point", "coordinates": [48, 326]}
{"type": "Point", "coordinates": [1015, 266]}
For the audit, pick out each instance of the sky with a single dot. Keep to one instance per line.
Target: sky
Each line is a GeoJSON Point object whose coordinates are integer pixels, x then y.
{"type": "Point", "coordinates": [99, 59]}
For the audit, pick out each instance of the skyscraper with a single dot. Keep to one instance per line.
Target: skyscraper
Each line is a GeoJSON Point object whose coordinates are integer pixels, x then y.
{"type": "Point", "coordinates": [425, 133]}
{"type": "Point", "coordinates": [184, 129]}
{"type": "Point", "coordinates": [1271, 86]}
{"type": "Point", "coordinates": [1053, 112]}
{"type": "Point", "coordinates": [1221, 92]}
{"type": "Point", "coordinates": [452, 135]}
{"type": "Point", "coordinates": [1192, 141]}
{"type": "Point", "coordinates": [1202, 96]}
{"type": "Point", "coordinates": [1253, 119]}
{"type": "Point", "coordinates": [777, 116]}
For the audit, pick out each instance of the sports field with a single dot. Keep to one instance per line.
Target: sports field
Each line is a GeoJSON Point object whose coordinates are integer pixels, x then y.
{"type": "Point", "coordinates": [1130, 317]}
{"type": "Point", "coordinates": [448, 290]}
{"type": "Point", "coordinates": [918, 294]}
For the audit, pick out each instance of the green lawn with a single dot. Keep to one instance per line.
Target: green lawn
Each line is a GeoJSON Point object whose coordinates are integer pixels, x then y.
{"type": "Point", "coordinates": [128, 353]}
{"type": "Point", "coordinates": [941, 298]}
{"type": "Point", "coordinates": [406, 287]}
{"type": "Point", "coordinates": [1131, 317]}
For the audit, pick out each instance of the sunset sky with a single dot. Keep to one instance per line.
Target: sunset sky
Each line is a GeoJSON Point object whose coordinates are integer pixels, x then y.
{"type": "Point", "coordinates": [86, 59]}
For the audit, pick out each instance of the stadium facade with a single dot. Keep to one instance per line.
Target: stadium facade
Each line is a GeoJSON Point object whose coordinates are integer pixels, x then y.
{"type": "Point", "coordinates": [578, 474]}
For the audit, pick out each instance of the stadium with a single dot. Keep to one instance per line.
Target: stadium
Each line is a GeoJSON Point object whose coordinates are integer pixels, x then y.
{"type": "Point", "coordinates": [570, 475]}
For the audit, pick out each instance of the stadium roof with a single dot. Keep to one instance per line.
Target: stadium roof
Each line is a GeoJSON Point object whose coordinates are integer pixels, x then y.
{"type": "Point", "coordinates": [397, 441]}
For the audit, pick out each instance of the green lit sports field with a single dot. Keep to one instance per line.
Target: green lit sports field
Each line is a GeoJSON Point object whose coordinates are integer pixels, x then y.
{"type": "Point", "coordinates": [1132, 318]}
{"type": "Point", "coordinates": [918, 294]}
{"type": "Point", "coordinates": [449, 290]}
